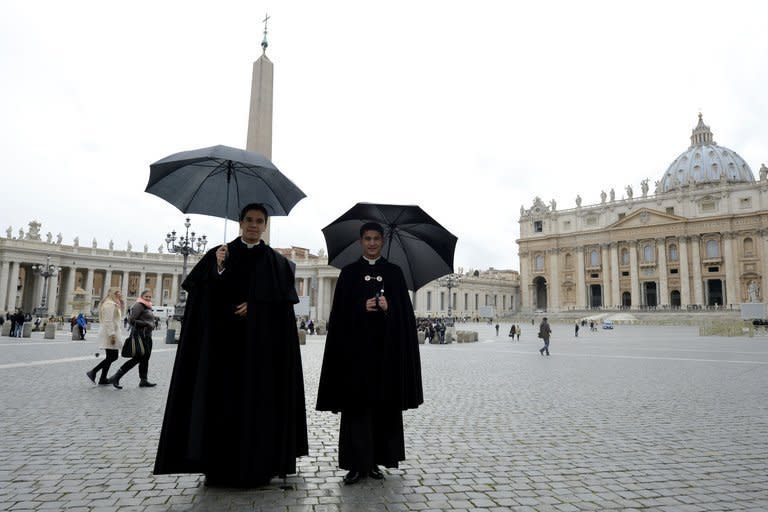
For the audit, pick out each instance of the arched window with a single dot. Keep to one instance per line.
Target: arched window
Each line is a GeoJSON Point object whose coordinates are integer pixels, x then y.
{"type": "Point", "coordinates": [673, 255]}
{"type": "Point", "coordinates": [749, 247]}
{"type": "Point", "coordinates": [538, 262]}
{"type": "Point", "coordinates": [624, 257]}
{"type": "Point", "coordinates": [713, 249]}
{"type": "Point", "coordinates": [594, 258]}
{"type": "Point", "coordinates": [648, 253]}
{"type": "Point", "coordinates": [568, 261]}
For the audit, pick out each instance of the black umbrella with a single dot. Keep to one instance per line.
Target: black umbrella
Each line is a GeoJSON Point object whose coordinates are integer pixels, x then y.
{"type": "Point", "coordinates": [202, 180]}
{"type": "Point", "coordinates": [412, 239]}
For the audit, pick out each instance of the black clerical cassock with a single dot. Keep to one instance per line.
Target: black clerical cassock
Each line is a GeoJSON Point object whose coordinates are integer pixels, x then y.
{"type": "Point", "coordinates": [371, 368]}
{"type": "Point", "coordinates": [235, 407]}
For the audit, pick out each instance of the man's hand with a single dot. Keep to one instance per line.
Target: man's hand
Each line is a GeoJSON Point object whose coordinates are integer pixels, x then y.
{"type": "Point", "coordinates": [370, 304]}
{"type": "Point", "coordinates": [242, 309]}
{"type": "Point", "coordinates": [221, 256]}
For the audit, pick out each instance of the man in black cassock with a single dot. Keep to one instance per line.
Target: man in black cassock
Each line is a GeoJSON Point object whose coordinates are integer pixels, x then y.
{"type": "Point", "coordinates": [371, 368]}
{"type": "Point", "coordinates": [235, 407]}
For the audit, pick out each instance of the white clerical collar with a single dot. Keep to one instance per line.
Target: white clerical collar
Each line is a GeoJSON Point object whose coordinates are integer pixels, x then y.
{"type": "Point", "coordinates": [370, 261]}
{"type": "Point", "coordinates": [250, 246]}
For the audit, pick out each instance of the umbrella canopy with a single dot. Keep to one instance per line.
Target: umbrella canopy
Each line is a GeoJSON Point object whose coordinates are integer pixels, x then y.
{"type": "Point", "coordinates": [412, 239]}
{"type": "Point", "coordinates": [220, 180]}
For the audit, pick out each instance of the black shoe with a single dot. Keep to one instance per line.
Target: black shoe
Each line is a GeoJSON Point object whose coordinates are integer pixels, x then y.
{"type": "Point", "coordinates": [144, 383]}
{"type": "Point", "coordinates": [352, 477]}
{"type": "Point", "coordinates": [115, 379]}
{"type": "Point", "coordinates": [541, 351]}
{"type": "Point", "coordinates": [103, 382]}
{"type": "Point", "coordinates": [91, 375]}
{"type": "Point", "coordinates": [376, 473]}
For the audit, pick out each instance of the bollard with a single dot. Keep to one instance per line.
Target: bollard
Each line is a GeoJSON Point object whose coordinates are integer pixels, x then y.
{"type": "Point", "coordinates": [170, 337]}
{"type": "Point", "coordinates": [302, 336]}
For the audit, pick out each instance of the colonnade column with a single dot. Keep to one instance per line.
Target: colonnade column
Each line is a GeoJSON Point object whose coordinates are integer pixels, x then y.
{"type": "Point", "coordinates": [634, 278]}
{"type": "Point", "coordinates": [698, 296]}
{"type": "Point", "coordinates": [174, 289]}
{"type": "Point", "coordinates": [685, 285]}
{"type": "Point", "coordinates": [661, 245]}
{"type": "Point", "coordinates": [732, 295]}
{"type": "Point", "coordinates": [581, 293]}
{"type": "Point", "coordinates": [51, 295]}
{"type": "Point", "coordinates": [107, 284]}
{"type": "Point", "coordinates": [615, 287]}
{"type": "Point", "coordinates": [89, 289]}
{"type": "Point", "coordinates": [69, 290]}
{"type": "Point", "coordinates": [606, 275]}
{"type": "Point", "coordinates": [5, 271]}
{"type": "Point", "coordinates": [124, 285]}
{"type": "Point", "coordinates": [554, 280]}
{"type": "Point", "coordinates": [142, 283]}
{"type": "Point", "coordinates": [764, 267]}
{"type": "Point", "coordinates": [13, 282]}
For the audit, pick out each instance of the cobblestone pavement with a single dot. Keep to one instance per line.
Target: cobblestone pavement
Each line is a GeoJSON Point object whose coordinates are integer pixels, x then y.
{"type": "Point", "coordinates": [639, 418]}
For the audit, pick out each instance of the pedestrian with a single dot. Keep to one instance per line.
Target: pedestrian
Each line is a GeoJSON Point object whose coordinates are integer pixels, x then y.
{"type": "Point", "coordinates": [497, 330]}
{"type": "Point", "coordinates": [512, 332]}
{"type": "Point", "coordinates": [110, 315]}
{"type": "Point", "coordinates": [576, 328]}
{"type": "Point", "coordinates": [371, 368]}
{"type": "Point", "coordinates": [518, 331]}
{"type": "Point", "coordinates": [311, 326]}
{"type": "Point", "coordinates": [235, 408]}
{"type": "Point", "coordinates": [544, 332]}
{"type": "Point", "coordinates": [82, 325]}
{"type": "Point", "coordinates": [142, 323]}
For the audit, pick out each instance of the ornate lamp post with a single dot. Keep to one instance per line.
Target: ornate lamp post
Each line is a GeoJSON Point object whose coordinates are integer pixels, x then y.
{"type": "Point", "coordinates": [450, 281]}
{"type": "Point", "coordinates": [187, 245]}
{"type": "Point", "coordinates": [45, 271]}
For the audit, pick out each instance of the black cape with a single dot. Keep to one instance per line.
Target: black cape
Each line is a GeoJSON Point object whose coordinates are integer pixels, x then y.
{"type": "Point", "coordinates": [370, 359]}
{"type": "Point", "coordinates": [235, 407]}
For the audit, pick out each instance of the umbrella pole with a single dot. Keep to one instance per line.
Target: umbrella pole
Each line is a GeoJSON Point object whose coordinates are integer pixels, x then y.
{"type": "Point", "coordinates": [226, 208]}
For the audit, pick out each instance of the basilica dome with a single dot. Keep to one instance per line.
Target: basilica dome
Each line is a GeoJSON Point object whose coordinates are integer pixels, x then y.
{"type": "Point", "coordinates": [705, 162]}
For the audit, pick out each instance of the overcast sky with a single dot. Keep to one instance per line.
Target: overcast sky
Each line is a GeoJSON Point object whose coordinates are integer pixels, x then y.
{"type": "Point", "coordinates": [469, 109]}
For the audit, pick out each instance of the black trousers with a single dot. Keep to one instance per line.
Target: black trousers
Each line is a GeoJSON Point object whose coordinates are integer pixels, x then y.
{"type": "Point", "coordinates": [142, 361]}
{"type": "Point", "coordinates": [371, 437]}
{"type": "Point", "coordinates": [109, 358]}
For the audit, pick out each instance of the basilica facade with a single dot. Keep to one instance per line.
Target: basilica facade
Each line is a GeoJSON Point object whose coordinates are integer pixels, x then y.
{"type": "Point", "coordinates": [699, 240]}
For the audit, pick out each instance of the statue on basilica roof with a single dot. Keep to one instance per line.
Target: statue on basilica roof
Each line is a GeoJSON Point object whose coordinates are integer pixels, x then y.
{"type": "Point", "coordinates": [629, 191]}
{"type": "Point", "coordinates": [644, 187]}
{"type": "Point", "coordinates": [9, 232]}
{"type": "Point", "coordinates": [603, 195]}
{"type": "Point", "coordinates": [613, 195]}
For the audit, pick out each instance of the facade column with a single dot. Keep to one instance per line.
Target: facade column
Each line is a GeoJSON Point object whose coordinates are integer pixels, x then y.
{"type": "Point", "coordinates": [764, 266]}
{"type": "Point", "coordinates": [732, 295]}
{"type": "Point", "coordinates": [606, 276]}
{"type": "Point", "coordinates": [89, 289]}
{"type": "Point", "coordinates": [685, 276]}
{"type": "Point", "coordinates": [581, 293]}
{"type": "Point", "coordinates": [5, 271]}
{"type": "Point", "coordinates": [107, 283]}
{"type": "Point", "coordinates": [13, 282]}
{"type": "Point", "coordinates": [124, 285]}
{"type": "Point", "coordinates": [51, 297]}
{"type": "Point", "coordinates": [525, 301]}
{"type": "Point", "coordinates": [698, 295]}
{"type": "Point", "coordinates": [320, 308]}
{"type": "Point", "coordinates": [69, 290]}
{"type": "Point", "coordinates": [615, 279]}
{"type": "Point", "coordinates": [661, 251]}
{"type": "Point", "coordinates": [142, 283]}
{"type": "Point", "coordinates": [634, 277]}
{"type": "Point", "coordinates": [554, 280]}
{"type": "Point", "coordinates": [174, 289]}
{"type": "Point", "coordinates": [37, 289]}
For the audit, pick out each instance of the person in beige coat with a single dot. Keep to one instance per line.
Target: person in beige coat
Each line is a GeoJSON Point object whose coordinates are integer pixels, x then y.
{"type": "Point", "coordinates": [110, 318]}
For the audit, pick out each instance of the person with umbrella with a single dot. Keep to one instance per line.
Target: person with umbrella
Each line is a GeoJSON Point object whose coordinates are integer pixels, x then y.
{"type": "Point", "coordinates": [371, 368]}
{"type": "Point", "coordinates": [235, 409]}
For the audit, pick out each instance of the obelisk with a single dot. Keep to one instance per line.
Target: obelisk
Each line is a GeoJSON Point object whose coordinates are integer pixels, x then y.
{"type": "Point", "coordinates": [260, 115]}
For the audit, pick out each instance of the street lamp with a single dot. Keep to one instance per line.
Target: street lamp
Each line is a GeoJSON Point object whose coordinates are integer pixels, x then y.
{"type": "Point", "coordinates": [45, 271]}
{"type": "Point", "coordinates": [187, 244]}
{"type": "Point", "coordinates": [449, 281]}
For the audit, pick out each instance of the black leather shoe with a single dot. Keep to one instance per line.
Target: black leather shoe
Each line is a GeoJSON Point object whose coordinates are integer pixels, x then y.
{"type": "Point", "coordinates": [376, 473]}
{"type": "Point", "coordinates": [352, 477]}
{"type": "Point", "coordinates": [91, 375]}
{"type": "Point", "coordinates": [144, 383]}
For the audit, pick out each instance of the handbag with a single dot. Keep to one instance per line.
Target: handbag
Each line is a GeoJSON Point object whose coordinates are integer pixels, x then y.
{"type": "Point", "coordinates": [133, 346]}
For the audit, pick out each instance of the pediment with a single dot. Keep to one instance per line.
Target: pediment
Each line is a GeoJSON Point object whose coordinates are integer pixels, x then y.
{"type": "Point", "coordinates": [645, 217]}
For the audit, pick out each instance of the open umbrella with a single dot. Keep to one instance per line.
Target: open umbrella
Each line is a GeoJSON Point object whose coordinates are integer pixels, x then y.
{"type": "Point", "coordinates": [202, 181]}
{"type": "Point", "coordinates": [412, 239]}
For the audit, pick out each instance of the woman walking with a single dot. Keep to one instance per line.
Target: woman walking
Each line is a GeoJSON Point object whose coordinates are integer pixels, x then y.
{"type": "Point", "coordinates": [110, 315]}
{"type": "Point", "coordinates": [142, 323]}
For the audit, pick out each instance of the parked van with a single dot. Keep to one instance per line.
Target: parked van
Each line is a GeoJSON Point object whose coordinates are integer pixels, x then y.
{"type": "Point", "coordinates": [162, 312]}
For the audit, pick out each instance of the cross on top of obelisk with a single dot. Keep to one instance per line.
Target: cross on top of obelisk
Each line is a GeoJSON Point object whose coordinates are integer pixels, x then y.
{"type": "Point", "coordinates": [264, 42]}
